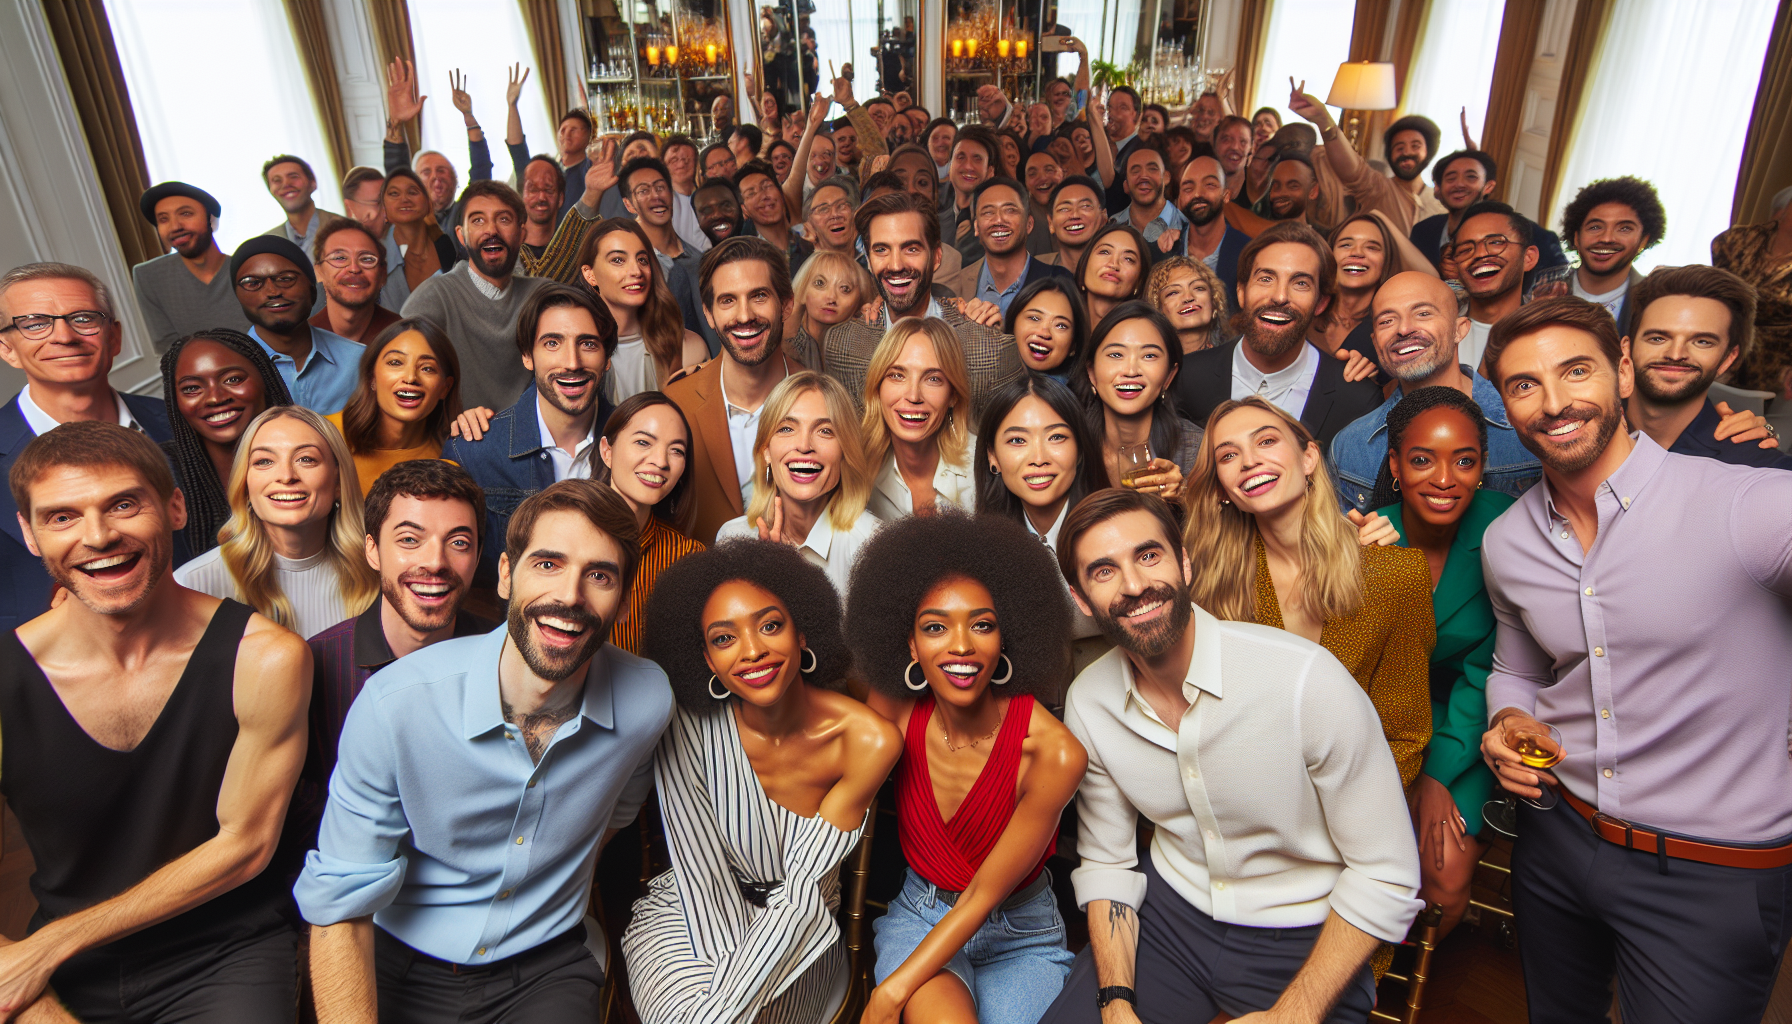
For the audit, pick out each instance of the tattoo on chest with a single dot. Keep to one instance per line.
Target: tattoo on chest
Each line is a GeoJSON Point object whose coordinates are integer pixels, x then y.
{"type": "Point", "coordinates": [538, 729]}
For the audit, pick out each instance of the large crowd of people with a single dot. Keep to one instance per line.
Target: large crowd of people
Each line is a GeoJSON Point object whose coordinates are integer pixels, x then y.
{"type": "Point", "coordinates": [1302, 525]}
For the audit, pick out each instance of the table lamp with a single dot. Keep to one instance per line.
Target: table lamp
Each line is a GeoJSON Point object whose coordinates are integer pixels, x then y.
{"type": "Point", "coordinates": [1363, 85]}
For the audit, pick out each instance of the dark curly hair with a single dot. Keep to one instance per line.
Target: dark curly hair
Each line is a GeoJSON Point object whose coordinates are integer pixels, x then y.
{"type": "Point", "coordinates": [674, 633]}
{"type": "Point", "coordinates": [1401, 416]}
{"type": "Point", "coordinates": [908, 557]}
{"type": "Point", "coordinates": [1635, 193]}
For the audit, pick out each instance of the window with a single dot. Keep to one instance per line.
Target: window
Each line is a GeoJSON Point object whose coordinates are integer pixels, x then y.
{"type": "Point", "coordinates": [1305, 40]}
{"type": "Point", "coordinates": [217, 88]}
{"type": "Point", "coordinates": [482, 40]}
{"type": "Point", "coordinates": [1109, 28]}
{"type": "Point", "coordinates": [1453, 67]}
{"type": "Point", "coordinates": [1656, 109]}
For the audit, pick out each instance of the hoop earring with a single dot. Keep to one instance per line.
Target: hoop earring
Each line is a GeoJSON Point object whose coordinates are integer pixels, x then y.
{"type": "Point", "coordinates": [809, 661]}
{"type": "Point", "coordinates": [1396, 483]}
{"type": "Point", "coordinates": [1003, 679]}
{"type": "Point", "coordinates": [724, 695]}
{"type": "Point", "coordinates": [908, 675]}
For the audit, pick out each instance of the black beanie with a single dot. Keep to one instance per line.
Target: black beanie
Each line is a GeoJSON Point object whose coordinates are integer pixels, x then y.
{"type": "Point", "coordinates": [277, 246]}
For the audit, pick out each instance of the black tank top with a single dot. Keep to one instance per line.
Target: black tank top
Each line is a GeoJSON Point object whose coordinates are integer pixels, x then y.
{"type": "Point", "coordinates": [99, 820]}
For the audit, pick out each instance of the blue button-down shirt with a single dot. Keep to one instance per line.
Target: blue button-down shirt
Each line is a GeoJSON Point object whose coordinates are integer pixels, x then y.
{"type": "Point", "coordinates": [441, 827]}
{"type": "Point", "coordinates": [1170, 217]}
{"type": "Point", "coordinates": [330, 374]}
{"type": "Point", "coordinates": [1361, 449]}
{"type": "Point", "coordinates": [986, 286]}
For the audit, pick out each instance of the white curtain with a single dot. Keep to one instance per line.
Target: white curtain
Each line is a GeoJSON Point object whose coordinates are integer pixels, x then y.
{"type": "Point", "coordinates": [1305, 40]}
{"type": "Point", "coordinates": [1668, 101]}
{"type": "Point", "coordinates": [1110, 29]}
{"type": "Point", "coordinates": [480, 38]}
{"type": "Point", "coordinates": [1453, 67]}
{"type": "Point", "coordinates": [217, 89]}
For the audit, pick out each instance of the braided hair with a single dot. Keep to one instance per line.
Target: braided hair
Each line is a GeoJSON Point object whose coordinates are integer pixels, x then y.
{"type": "Point", "coordinates": [1401, 416]}
{"type": "Point", "coordinates": [207, 507]}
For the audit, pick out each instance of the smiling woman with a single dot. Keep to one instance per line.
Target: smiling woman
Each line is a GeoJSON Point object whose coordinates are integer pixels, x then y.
{"type": "Point", "coordinates": [917, 421]}
{"type": "Point", "coordinates": [618, 262]}
{"type": "Point", "coordinates": [407, 398]}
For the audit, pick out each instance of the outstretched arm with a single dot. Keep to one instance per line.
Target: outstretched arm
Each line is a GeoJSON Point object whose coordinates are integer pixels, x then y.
{"type": "Point", "coordinates": [1344, 160]}
{"type": "Point", "coordinates": [272, 695]}
{"type": "Point", "coordinates": [1098, 130]}
{"type": "Point", "coordinates": [513, 122]}
{"type": "Point", "coordinates": [799, 167]}
{"type": "Point", "coordinates": [403, 104]}
{"type": "Point", "coordinates": [479, 154]}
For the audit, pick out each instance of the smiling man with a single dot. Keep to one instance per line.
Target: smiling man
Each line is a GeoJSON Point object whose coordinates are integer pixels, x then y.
{"type": "Point", "coordinates": [1416, 334]}
{"type": "Point", "coordinates": [477, 782]}
{"type": "Point", "coordinates": [153, 736]}
{"type": "Point", "coordinates": [1003, 225]}
{"type": "Point", "coordinates": [747, 296]}
{"type": "Point", "coordinates": [1285, 276]}
{"type": "Point", "coordinates": [1608, 224]}
{"type": "Point", "coordinates": [184, 290]}
{"type": "Point", "coordinates": [565, 337]}
{"type": "Point", "coordinates": [277, 285]}
{"type": "Point", "coordinates": [1409, 143]}
{"type": "Point", "coordinates": [291, 183]}
{"type": "Point", "coordinates": [717, 206]}
{"type": "Point", "coordinates": [351, 268]}
{"type": "Point", "coordinates": [763, 199]}
{"type": "Point", "coordinates": [1490, 256]}
{"type": "Point", "coordinates": [1644, 602]}
{"type": "Point", "coordinates": [1283, 850]}
{"type": "Point", "coordinates": [1076, 212]}
{"type": "Point", "coordinates": [827, 214]}
{"type": "Point", "coordinates": [1210, 238]}
{"type": "Point", "coordinates": [975, 159]}
{"type": "Point", "coordinates": [1150, 209]}
{"type": "Point", "coordinates": [477, 302]}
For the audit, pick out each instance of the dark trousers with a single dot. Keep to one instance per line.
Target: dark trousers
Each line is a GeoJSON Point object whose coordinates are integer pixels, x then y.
{"type": "Point", "coordinates": [1191, 967]}
{"type": "Point", "coordinates": [1697, 943]}
{"type": "Point", "coordinates": [249, 978]}
{"type": "Point", "coordinates": [557, 982]}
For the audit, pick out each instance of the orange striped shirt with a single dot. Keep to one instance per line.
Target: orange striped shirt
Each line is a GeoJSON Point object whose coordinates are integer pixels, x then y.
{"type": "Point", "coordinates": [661, 545]}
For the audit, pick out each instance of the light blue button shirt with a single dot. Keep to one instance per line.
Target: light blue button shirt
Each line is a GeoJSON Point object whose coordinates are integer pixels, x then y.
{"type": "Point", "coordinates": [986, 286]}
{"type": "Point", "coordinates": [441, 827]}
{"type": "Point", "coordinates": [1169, 217]}
{"type": "Point", "coordinates": [330, 375]}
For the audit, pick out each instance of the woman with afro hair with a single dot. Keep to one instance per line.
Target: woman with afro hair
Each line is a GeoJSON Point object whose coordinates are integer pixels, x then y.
{"type": "Point", "coordinates": [765, 776]}
{"type": "Point", "coordinates": [947, 627]}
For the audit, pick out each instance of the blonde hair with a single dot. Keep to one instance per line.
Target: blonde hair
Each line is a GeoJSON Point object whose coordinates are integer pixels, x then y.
{"type": "Point", "coordinates": [954, 436]}
{"type": "Point", "coordinates": [854, 489]}
{"type": "Point", "coordinates": [1222, 539]}
{"type": "Point", "coordinates": [824, 261]}
{"type": "Point", "coordinates": [248, 552]}
{"type": "Point", "coordinates": [1160, 277]}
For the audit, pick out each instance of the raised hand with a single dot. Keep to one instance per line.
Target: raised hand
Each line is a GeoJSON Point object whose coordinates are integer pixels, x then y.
{"type": "Point", "coordinates": [1468, 141]}
{"type": "Point", "coordinates": [818, 110]}
{"type": "Point", "coordinates": [775, 531]}
{"type": "Point", "coordinates": [402, 101]}
{"type": "Point", "coordinates": [842, 86]}
{"type": "Point", "coordinates": [1373, 530]}
{"type": "Point", "coordinates": [1356, 365]}
{"type": "Point", "coordinates": [462, 101]}
{"type": "Point", "coordinates": [878, 163]}
{"type": "Point", "coordinates": [515, 88]}
{"type": "Point", "coordinates": [600, 177]}
{"type": "Point", "coordinates": [1306, 106]}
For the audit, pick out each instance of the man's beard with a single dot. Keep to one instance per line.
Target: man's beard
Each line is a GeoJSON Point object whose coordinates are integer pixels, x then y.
{"type": "Point", "coordinates": [555, 665]}
{"type": "Point", "coordinates": [284, 325]}
{"type": "Point", "coordinates": [1290, 209]}
{"type": "Point", "coordinates": [1157, 192]}
{"type": "Point", "coordinates": [397, 596]}
{"type": "Point", "coordinates": [717, 231]}
{"type": "Point", "coordinates": [1431, 361]}
{"type": "Point", "coordinates": [1208, 212]}
{"type": "Point", "coordinates": [199, 246]}
{"type": "Point", "coordinates": [1406, 168]}
{"type": "Point", "coordinates": [774, 340]}
{"type": "Point", "coordinates": [1156, 637]}
{"type": "Point", "coordinates": [1269, 342]}
{"type": "Point", "coordinates": [923, 291]}
{"type": "Point", "coordinates": [1687, 390]}
{"type": "Point", "coordinates": [368, 298]}
{"type": "Point", "coordinates": [499, 266]}
{"type": "Point", "coordinates": [1582, 453]}
{"type": "Point", "coordinates": [80, 584]}
{"type": "Point", "coordinates": [544, 386]}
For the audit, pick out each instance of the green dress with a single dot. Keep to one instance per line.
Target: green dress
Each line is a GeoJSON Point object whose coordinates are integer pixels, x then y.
{"type": "Point", "coordinates": [1461, 660]}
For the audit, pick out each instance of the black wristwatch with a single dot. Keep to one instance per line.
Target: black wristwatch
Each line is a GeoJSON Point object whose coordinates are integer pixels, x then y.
{"type": "Point", "coordinates": [1107, 995]}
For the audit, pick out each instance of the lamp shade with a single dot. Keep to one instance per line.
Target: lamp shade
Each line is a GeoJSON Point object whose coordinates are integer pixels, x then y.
{"type": "Point", "coordinates": [1364, 85]}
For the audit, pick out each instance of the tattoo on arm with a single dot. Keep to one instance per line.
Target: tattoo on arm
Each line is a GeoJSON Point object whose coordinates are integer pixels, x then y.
{"type": "Point", "coordinates": [539, 728]}
{"type": "Point", "coordinates": [1119, 918]}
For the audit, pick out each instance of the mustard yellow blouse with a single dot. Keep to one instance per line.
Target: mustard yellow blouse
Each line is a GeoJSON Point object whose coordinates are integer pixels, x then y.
{"type": "Point", "coordinates": [1386, 645]}
{"type": "Point", "coordinates": [370, 464]}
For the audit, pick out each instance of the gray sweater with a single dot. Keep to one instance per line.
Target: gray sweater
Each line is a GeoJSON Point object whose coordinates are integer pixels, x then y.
{"type": "Point", "coordinates": [175, 303]}
{"type": "Point", "coordinates": [483, 331]}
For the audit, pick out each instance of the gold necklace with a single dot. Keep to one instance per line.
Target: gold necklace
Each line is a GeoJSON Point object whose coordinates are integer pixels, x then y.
{"type": "Point", "coordinates": [947, 733]}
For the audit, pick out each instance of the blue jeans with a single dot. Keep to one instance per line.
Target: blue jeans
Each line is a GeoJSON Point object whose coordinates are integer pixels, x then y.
{"type": "Point", "coordinates": [1013, 966]}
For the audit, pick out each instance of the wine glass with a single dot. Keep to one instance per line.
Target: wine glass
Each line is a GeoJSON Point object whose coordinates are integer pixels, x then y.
{"type": "Point", "coordinates": [1135, 461]}
{"type": "Point", "coordinates": [1538, 746]}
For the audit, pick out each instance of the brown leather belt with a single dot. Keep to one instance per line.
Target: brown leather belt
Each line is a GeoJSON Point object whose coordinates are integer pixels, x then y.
{"type": "Point", "coordinates": [1637, 837]}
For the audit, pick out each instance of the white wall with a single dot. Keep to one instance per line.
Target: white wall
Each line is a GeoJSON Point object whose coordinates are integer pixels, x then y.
{"type": "Point", "coordinates": [50, 202]}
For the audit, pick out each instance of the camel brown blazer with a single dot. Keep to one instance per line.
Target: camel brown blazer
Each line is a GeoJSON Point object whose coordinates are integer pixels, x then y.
{"type": "Point", "coordinates": [714, 496]}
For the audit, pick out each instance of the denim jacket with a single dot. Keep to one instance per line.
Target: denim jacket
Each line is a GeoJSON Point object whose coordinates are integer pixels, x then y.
{"type": "Point", "coordinates": [509, 464]}
{"type": "Point", "coordinates": [1361, 449]}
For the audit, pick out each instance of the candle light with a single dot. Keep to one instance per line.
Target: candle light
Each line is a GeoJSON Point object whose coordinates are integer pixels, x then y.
{"type": "Point", "coordinates": [1020, 48]}
{"type": "Point", "coordinates": [653, 56]}
{"type": "Point", "coordinates": [710, 52]}
{"type": "Point", "coordinates": [970, 46]}
{"type": "Point", "coordinates": [1002, 48]}
{"type": "Point", "coordinates": [671, 54]}
{"type": "Point", "coordinates": [957, 47]}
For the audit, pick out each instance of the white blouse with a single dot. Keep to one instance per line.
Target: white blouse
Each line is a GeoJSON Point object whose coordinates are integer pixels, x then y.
{"type": "Point", "coordinates": [632, 370]}
{"type": "Point", "coordinates": [311, 584]}
{"type": "Point", "coordinates": [826, 548]}
{"type": "Point", "coordinates": [954, 486]}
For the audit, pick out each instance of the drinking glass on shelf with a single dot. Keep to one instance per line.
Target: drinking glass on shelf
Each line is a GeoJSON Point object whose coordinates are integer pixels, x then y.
{"type": "Point", "coordinates": [1135, 461]}
{"type": "Point", "coordinates": [1539, 747]}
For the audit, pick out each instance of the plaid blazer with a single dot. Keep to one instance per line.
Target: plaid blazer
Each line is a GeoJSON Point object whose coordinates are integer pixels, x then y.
{"type": "Point", "coordinates": [990, 357]}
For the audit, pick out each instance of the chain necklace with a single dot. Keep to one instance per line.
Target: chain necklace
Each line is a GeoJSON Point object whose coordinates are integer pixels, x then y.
{"type": "Point", "coordinates": [947, 733]}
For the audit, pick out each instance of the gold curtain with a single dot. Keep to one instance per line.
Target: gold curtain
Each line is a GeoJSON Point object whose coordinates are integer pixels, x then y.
{"type": "Point", "coordinates": [1366, 31]}
{"type": "Point", "coordinates": [1253, 25]}
{"type": "Point", "coordinates": [96, 84]}
{"type": "Point", "coordinates": [1519, 28]}
{"type": "Point", "coordinates": [542, 18]}
{"type": "Point", "coordinates": [312, 35]}
{"type": "Point", "coordinates": [1767, 155]}
{"type": "Point", "coordinates": [1590, 18]}
{"type": "Point", "coordinates": [392, 34]}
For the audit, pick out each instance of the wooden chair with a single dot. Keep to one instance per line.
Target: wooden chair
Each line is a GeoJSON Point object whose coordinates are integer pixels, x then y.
{"type": "Point", "coordinates": [855, 879]}
{"type": "Point", "coordinates": [1491, 896]}
{"type": "Point", "coordinates": [1422, 942]}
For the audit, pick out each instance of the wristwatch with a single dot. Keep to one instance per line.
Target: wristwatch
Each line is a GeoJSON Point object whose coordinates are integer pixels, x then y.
{"type": "Point", "coordinates": [1107, 995]}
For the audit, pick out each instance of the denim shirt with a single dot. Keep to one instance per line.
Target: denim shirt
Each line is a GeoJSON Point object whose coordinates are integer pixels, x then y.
{"type": "Point", "coordinates": [1361, 449]}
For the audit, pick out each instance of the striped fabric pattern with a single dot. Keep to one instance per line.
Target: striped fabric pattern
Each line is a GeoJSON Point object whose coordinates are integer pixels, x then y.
{"type": "Point", "coordinates": [698, 952]}
{"type": "Point", "coordinates": [661, 545]}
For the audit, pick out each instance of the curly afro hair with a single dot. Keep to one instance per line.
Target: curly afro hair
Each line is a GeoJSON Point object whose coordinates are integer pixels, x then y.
{"type": "Point", "coordinates": [674, 633]}
{"type": "Point", "coordinates": [1635, 193]}
{"type": "Point", "coordinates": [908, 557]}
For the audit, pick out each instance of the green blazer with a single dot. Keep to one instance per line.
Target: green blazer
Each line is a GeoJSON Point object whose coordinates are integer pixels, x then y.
{"type": "Point", "coordinates": [1462, 658]}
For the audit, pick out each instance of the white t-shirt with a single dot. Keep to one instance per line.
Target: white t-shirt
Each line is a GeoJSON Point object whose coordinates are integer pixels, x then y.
{"type": "Point", "coordinates": [632, 369]}
{"type": "Point", "coordinates": [1611, 300]}
{"type": "Point", "coordinates": [826, 548]}
{"type": "Point", "coordinates": [1474, 346]}
{"type": "Point", "coordinates": [311, 584]}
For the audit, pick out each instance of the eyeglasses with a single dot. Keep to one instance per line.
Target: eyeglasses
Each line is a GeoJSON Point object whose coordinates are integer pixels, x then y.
{"type": "Point", "coordinates": [658, 188]}
{"type": "Point", "coordinates": [829, 209]}
{"type": "Point", "coordinates": [37, 326]}
{"type": "Point", "coordinates": [284, 279]}
{"type": "Point", "coordinates": [1494, 244]}
{"type": "Point", "coordinates": [342, 258]}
